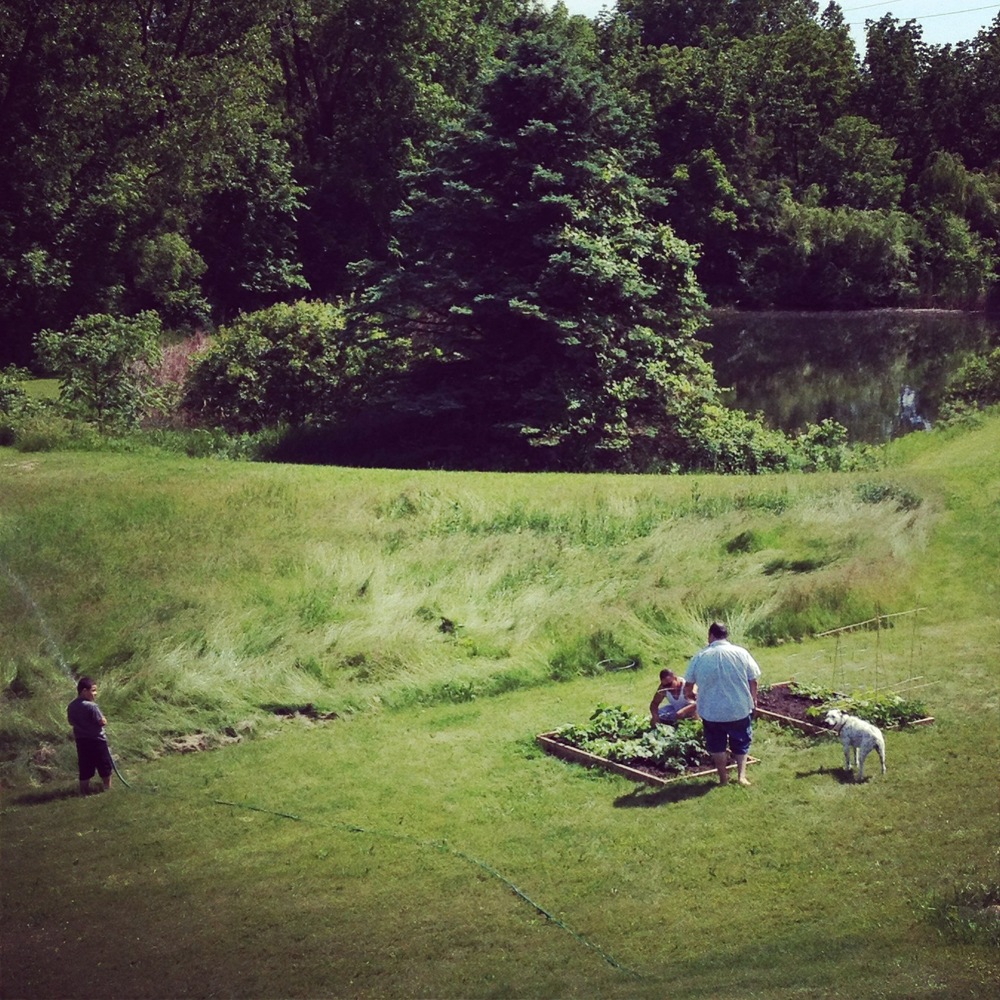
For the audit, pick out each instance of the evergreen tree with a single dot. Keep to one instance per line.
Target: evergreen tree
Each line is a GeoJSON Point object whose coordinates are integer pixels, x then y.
{"type": "Point", "coordinates": [555, 316]}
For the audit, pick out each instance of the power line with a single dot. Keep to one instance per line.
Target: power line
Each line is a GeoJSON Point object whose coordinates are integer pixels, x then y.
{"type": "Point", "coordinates": [917, 17]}
{"type": "Point", "coordinates": [922, 17]}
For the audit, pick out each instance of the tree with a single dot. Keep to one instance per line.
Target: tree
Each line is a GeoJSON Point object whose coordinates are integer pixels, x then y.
{"type": "Point", "coordinates": [803, 79]}
{"type": "Point", "coordinates": [367, 83]}
{"type": "Point", "coordinates": [738, 119]}
{"type": "Point", "coordinates": [682, 23]}
{"type": "Point", "coordinates": [856, 167]}
{"type": "Point", "coordinates": [558, 322]}
{"type": "Point", "coordinates": [139, 142]}
{"type": "Point", "coordinates": [982, 103]}
{"type": "Point", "coordinates": [895, 61]}
{"type": "Point", "coordinates": [837, 258]}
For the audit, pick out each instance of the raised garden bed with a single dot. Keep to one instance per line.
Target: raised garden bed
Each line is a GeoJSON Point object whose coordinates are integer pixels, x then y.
{"type": "Point", "coordinates": [551, 743]}
{"type": "Point", "coordinates": [780, 703]}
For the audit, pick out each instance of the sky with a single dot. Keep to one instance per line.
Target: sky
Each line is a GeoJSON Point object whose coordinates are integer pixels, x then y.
{"type": "Point", "coordinates": [943, 21]}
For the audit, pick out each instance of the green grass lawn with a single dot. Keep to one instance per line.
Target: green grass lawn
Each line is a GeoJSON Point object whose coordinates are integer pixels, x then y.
{"type": "Point", "coordinates": [42, 388]}
{"type": "Point", "coordinates": [421, 845]}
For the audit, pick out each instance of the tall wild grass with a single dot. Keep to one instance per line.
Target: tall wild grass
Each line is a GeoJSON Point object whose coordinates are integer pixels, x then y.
{"type": "Point", "coordinates": [207, 595]}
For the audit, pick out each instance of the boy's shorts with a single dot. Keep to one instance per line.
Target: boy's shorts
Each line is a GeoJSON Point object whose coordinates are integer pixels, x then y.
{"type": "Point", "coordinates": [739, 735]}
{"type": "Point", "coordinates": [94, 755]}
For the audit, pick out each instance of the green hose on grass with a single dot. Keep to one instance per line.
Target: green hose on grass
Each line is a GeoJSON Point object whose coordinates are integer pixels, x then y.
{"type": "Point", "coordinates": [443, 846]}
{"type": "Point", "coordinates": [120, 775]}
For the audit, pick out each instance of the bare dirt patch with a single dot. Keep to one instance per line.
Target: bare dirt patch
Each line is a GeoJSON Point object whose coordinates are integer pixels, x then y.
{"type": "Point", "coordinates": [780, 700]}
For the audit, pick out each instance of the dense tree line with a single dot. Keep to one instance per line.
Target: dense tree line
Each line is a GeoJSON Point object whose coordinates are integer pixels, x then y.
{"type": "Point", "coordinates": [518, 217]}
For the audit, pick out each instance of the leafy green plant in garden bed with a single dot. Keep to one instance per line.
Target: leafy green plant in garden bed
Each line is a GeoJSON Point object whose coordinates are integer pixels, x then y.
{"type": "Point", "coordinates": [623, 737]}
{"type": "Point", "coordinates": [882, 708]}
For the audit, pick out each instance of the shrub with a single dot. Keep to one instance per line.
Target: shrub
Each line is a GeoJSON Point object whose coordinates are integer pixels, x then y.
{"type": "Point", "coordinates": [977, 382]}
{"type": "Point", "coordinates": [47, 431]}
{"type": "Point", "coordinates": [822, 446]}
{"type": "Point", "coordinates": [730, 441]}
{"type": "Point", "coordinates": [14, 401]}
{"type": "Point", "coordinates": [877, 492]}
{"type": "Point", "coordinates": [105, 364]}
{"type": "Point", "coordinates": [293, 363]}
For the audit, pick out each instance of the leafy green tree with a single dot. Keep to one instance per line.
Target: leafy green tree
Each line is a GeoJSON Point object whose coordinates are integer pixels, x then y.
{"type": "Point", "coordinates": [960, 213]}
{"type": "Point", "coordinates": [892, 97]}
{"type": "Point", "coordinates": [981, 132]}
{"type": "Point", "coordinates": [977, 382]}
{"type": "Point", "coordinates": [736, 122]}
{"type": "Point", "coordinates": [803, 80]}
{"type": "Point", "coordinates": [367, 83]}
{"type": "Point", "coordinates": [558, 321]}
{"type": "Point", "coordinates": [683, 23]}
{"type": "Point", "coordinates": [105, 365]}
{"type": "Point", "coordinates": [946, 88]}
{"type": "Point", "coordinates": [856, 166]}
{"type": "Point", "coordinates": [703, 131]}
{"type": "Point", "coordinates": [131, 130]}
{"type": "Point", "coordinates": [710, 211]}
{"type": "Point", "coordinates": [838, 258]}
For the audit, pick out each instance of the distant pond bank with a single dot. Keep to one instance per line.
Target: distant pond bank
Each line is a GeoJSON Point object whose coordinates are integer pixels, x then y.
{"type": "Point", "coordinates": [880, 373]}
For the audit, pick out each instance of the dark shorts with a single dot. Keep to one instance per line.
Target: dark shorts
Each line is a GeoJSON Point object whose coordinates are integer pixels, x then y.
{"type": "Point", "coordinates": [94, 755]}
{"type": "Point", "coordinates": [738, 734]}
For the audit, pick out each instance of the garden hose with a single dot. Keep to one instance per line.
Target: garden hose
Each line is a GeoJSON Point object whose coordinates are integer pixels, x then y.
{"type": "Point", "coordinates": [120, 775]}
{"type": "Point", "coordinates": [446, 848]}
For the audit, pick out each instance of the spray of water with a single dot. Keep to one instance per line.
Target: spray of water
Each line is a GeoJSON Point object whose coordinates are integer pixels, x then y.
{"type": "Point", "coordinates": [32, 605]}
{"type": "Point", "coordinates": [48, 635]}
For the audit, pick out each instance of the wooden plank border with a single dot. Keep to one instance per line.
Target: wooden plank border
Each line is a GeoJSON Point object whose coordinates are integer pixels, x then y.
{"type": "Point", "coordinates": [815, 730]}
{"type": "Point", "coordinates": [550, 744]}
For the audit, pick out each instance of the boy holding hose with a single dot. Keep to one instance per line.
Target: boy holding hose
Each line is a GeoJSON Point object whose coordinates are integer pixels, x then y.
{"type": "Point", "coordinates": [88, 722]}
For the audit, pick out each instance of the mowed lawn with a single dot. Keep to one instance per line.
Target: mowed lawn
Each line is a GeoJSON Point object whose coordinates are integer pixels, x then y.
{"type": "Point", "coordinates": [432, 850]}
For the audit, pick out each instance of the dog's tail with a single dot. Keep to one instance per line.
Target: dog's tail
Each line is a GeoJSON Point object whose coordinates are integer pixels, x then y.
{"type": "Point", "coordinates": [880, 750]}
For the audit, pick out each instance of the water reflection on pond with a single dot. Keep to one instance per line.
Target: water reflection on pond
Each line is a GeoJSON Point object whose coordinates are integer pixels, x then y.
{"type": "Point", "coordinates": [879, 373]}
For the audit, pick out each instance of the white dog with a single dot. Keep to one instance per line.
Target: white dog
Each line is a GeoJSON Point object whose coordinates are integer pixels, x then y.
{"type": "Point", "coordinates": [855, 733]}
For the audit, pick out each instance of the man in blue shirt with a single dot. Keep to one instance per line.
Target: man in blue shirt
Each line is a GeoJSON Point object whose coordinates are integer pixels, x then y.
{"type": "Point", "coordinates": [88, 722]}
{"type": "Point", "coordinates": [726, 676]}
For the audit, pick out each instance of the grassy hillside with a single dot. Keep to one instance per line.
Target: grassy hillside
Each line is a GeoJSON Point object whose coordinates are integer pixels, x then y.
{"type": "Point", "coordinates": [447, 619]}
{"type": "Point", "coordinates": [204, 593]}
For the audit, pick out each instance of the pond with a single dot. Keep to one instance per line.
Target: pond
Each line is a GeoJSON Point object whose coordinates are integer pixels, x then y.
{"type": "Point", "coordinates": [880, 373]}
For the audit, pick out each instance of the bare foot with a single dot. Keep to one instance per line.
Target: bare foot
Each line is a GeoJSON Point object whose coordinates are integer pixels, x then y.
{"type": "Point", "coordinates": [744, 781]}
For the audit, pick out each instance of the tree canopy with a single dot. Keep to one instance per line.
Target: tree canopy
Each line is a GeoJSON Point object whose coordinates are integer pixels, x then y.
{"type": "Point", "coordinates": [544, 203]}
